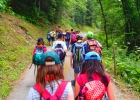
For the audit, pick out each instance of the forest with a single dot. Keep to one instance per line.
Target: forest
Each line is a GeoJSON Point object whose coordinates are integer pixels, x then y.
{"type": "Point", "coordinates": [117, 20]}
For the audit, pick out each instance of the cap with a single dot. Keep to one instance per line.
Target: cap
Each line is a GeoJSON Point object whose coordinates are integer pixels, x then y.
{"type": "Point", "coordinates": [92, 56]}
{"type": "Point", "coordinates": [51, 54]}
{"type": "Point", "coordinates": [60, 35]}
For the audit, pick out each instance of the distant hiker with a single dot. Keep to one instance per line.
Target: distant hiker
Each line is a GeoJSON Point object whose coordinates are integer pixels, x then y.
{"type": "Point", "coordinates": [73, 37]}
{"type": "Point", "coordinates": [58, 30]}
{"type": "Point", "coordinates": [50, 83]}
{"type": "Point", "coordinates": [53, 35]}
{"type": "Point", "coordinates": [67, 37]}
{"type": "Point", "coordinates": [38, 51]}
{"type": "Point", "coordinates": [93, 45]}
{"type": "Point", "coordinates": [93, 82]}
{"type": "Point", "coordinates": [59, 46]}
{"type": "Point", "coordinates": [78, 51]}
{"type": "Point", "coordinates": [48, 37]}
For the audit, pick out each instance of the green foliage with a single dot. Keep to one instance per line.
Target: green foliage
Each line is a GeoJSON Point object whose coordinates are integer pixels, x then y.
{"type": "Point", "coordinates": [3, 5]}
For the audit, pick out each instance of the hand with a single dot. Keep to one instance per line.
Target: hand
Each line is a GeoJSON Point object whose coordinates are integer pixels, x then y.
{"type": "Point", "coordinates": [71, 65]}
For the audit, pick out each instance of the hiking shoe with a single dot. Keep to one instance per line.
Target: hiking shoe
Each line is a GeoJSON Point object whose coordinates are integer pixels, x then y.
{"type": "Point", "coordinates": [73, 82]}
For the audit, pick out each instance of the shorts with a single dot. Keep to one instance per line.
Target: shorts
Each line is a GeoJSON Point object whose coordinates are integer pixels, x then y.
{"type": "Point", "coordinates": [52, 38]}
{"type": "Point", "coordinates": [49, 39]}
{"type": "Point", "coordinates": [77, 66]}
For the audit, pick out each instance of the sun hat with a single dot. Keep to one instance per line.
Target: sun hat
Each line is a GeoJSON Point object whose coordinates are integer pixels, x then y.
{"type": "Point", "coordinates": [92, 56]}
{"type": "Point", "coordinates": [51, 54]}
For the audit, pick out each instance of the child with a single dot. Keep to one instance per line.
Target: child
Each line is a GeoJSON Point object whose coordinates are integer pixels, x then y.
{"type": "Point", "coordinates": [60, 47]}
{"type": "Point", "coordinates": [49, 80]}
{"type": "Point", "coordinates": [40, 44]}
{"type": "Point", "coordinates": [92, 44]}
{"type": "Point", "coordinates": [92, 69]}
{"type": "Point", "coordinates": [78, 51]}
{"type": "Point", "coordinates": [38, 50]}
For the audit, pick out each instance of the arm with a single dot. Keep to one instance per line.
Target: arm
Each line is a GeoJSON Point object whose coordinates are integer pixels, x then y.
{"type": "Point", "coordinates": [77, 89]}
{"type": "Point", "coordinates": [71, 57]}
{"type": "Point", "coordinates": [110, 91]}
{"type": "Point", "coordinates": [71, 94]}
{"type": "Point", "coordinates": [65, 47]}
{"type": "Point", "coordinates": [99, 45]}
{"type": "Point", "coordinates": [53, 46]}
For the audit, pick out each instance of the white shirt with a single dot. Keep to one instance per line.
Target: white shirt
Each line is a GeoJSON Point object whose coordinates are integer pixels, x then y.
{"type": "Point", "coordinates": [34, 95]}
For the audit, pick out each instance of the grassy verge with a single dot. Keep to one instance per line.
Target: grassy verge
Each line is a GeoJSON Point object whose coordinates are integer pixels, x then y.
{"type": "Point", "coordinates": [18, 39]}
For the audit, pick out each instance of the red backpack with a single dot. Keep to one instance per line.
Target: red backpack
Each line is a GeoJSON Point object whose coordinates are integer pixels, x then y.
{"type": "Point", "coordinates": [93, 46]}
{"type": "Point", "coordinates": [47, 96]}
{"type": "Point", "coordinates": [92, 90]}
{"type": "Point", "coordinates": [73, 37]}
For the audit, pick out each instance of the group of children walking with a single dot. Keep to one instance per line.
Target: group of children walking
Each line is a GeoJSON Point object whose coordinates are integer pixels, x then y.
{"type": "Point", "coordinates": [90, 80]}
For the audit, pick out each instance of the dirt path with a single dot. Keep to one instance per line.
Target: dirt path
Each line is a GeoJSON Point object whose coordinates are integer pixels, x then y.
{"type": "Point", "coordinates": [27, 80]}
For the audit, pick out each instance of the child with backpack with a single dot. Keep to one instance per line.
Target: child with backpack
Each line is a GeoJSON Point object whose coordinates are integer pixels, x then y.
{"type": "Point", "coordinates": [73, 37]}
{"type": "Point", "coordinates": [48, 37]}
{"type": "Point", "coordinates": [93, 45]}
{"type": "Point", "coordinates": [59, 46]}
{"type": "Point", "coordinates": [67, 37]}
{"type": "Point", "coordinates": [78, 51]}
{"type": "Point", "coordinates": [93, 82]}
{"type": "Point", "coordinates": [50, 84]}
{"type": "Point", "coordinates": [53, 36]}
{"type": "Point", "coordinates": [38, 50]}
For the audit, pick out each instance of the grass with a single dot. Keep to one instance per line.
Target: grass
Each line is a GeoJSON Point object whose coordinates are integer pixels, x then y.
{"type": "Point", "coordinates": [18, 39]}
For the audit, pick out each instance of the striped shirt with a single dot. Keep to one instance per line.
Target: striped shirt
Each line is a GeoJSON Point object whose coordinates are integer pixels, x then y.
{"type": "Point", "coordinates": [34, 95]}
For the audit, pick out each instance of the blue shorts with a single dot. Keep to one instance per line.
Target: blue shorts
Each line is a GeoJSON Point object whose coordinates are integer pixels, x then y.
{"type": "Point", "coordinates": [49, 39]}
{"type": "Point", "coordinates": [77, 66]}
{"type": "Point", "coordinates": [52, 38]}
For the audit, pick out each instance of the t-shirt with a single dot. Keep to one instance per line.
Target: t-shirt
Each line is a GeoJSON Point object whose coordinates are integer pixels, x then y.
{"type": "Point", "coordinates": [60, 42]}
{"type": "Point", "coordinates": [82, 79]}
{"type": "Point", "coordinates": [34, 95]}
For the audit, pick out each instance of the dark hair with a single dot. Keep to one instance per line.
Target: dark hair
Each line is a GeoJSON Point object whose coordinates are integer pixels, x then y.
{"type": "Point", "coordinates": [94, 67]}
{"type": "Point", "coordinates": [60, 35]}
{"type": "Point", "coordinates": [40, 41]}
{"type": "Point", "coordinates": [49, 70]}
{"type": "Point", "coordinates": [71, 29]}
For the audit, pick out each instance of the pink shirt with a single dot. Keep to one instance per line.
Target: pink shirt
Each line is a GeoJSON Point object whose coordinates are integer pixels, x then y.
{"type": "Point", "coordinates": [82, 79]}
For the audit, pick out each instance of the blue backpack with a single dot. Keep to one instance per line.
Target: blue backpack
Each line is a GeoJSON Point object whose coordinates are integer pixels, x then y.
{"type": "Point", "coordinates": [78, 51]}
{"type": "Point", "coordinates": [48, 35]}
{"type": "Point", "coordinates": [37, 56]}
{"type": "Point", "coordinates": [60, 51]}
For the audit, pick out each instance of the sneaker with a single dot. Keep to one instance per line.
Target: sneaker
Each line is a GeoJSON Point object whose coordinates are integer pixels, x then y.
{"type": "Point", "coordinates": [73, 82]}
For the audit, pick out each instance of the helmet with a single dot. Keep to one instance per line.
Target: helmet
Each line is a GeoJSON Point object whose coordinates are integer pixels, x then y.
{"type": "Point", "coordinates": [79, 36]}
{"type": "Point", "coordinates": [90, 34]}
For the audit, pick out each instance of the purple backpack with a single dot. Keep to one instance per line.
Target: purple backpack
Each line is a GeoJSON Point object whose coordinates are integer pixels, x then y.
{"type": "Point", "coordinates": [60, 51]}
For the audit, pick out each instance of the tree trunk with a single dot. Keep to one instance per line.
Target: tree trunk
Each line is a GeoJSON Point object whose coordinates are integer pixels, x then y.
{"type": "Point", "coordinates": [103, 15]}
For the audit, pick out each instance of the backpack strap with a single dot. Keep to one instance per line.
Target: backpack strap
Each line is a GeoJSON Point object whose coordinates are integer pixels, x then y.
{"type": "Point", "coordinates": [46, 95]}
{"type": "Point", "coordinates": [61, 89]}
